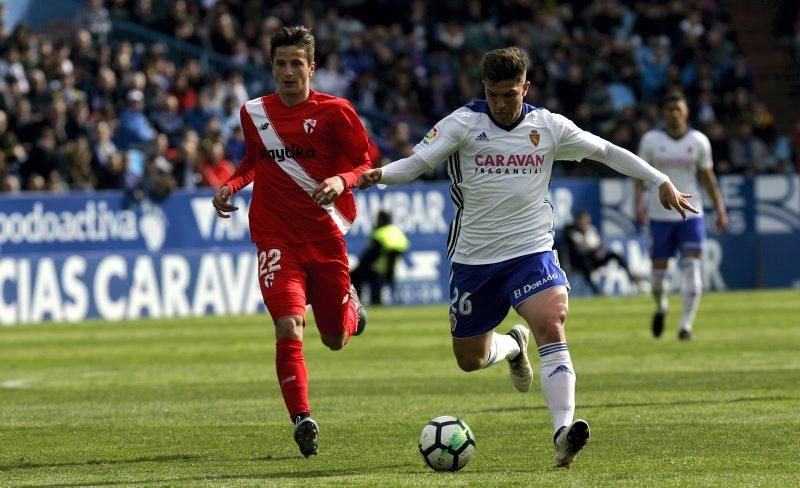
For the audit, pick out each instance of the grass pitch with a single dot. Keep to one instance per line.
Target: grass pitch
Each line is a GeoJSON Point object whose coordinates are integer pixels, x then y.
{"type": "Point", "coordinates": [195, 403]}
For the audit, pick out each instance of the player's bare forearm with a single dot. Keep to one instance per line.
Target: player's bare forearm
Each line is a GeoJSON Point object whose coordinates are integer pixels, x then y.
{"type": "Point", "coordinates": [641, 208]}
{"type": "Point", "coordinates": [712, 188]}
{"type": "Point", "coordinates": [672, 198]}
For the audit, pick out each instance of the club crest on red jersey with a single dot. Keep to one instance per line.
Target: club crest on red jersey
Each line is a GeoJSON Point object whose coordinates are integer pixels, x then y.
{"type": "Point", "coordinates": [534, 137]}
{"type": "Point", "coordinates": [309, 124]}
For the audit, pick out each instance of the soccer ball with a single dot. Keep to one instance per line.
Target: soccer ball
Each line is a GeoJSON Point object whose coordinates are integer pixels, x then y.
{"type": "Point", "coordinates": [446, 443]}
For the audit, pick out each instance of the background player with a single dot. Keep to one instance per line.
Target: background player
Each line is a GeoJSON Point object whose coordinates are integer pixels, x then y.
{"type": "Point", "coordinates": [500, 154]}
{"type": "Point", "coordinates": [301, 146]}
{"type": "Point", "coordinates": [680, 152]}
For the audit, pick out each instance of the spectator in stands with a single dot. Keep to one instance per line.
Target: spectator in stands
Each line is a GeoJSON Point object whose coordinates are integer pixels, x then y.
{"type": "Point", "coordinates": [44, 158]}
{"type": "Point", "coordinates": [78, 160]}
{"type": "Point", "coordinates": [12, 150]}
{"type": "Point", "coordinates": [720, 148]}
{"type": "Point", "coordinates": [214, 168]}
{"type": "Point", "coordinates": [197, 117]}
{"type": "Point", "coordinates": [145, 14]}
{"type": "Point", "coordinates": [105, 92]}
{"type": "Point", "coordinates": [167, 118]}
{"type": "Point", "coordinates": [749, 155]}
{"type": "Point", "coordinates": [187, 160]}
{"type": "Point", "coordinates": [330, 78]}
{"type": "Point", "coordinates": [414, 69]}
{"type": "Point", "coordinates": [102, 145]}
{"type": "Point", "coordinates": [235, 145]}
{"type": "Point", "coordinates": [764, 123]}
{"type": "Point", "coordinates": [95, 19]}
{"type": "Point", "coordinates": [586, 250]}
{"type": "Point", "coordinates": [185, 92]}
{"type": "Point", "coordinates": [10, 184]}
{"type": "Point", "coordinates": [157, 182]}
{"type": "Point", "coordinates": [134, 126]}
{"type": "Point", "coordinates": [111, 176]}
{"type": "Point", "coordinates": [36, 183]}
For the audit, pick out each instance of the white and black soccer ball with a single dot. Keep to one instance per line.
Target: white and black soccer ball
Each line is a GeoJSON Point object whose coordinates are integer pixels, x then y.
{"type": "Point", "coordinates": [446, 443]}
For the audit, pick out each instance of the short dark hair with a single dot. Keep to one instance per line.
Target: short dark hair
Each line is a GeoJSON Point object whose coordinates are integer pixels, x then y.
{"type": "Point", "coordinates": [510, 63]}
{"type": "Point", "coordinates": [299, 36]}
{"type": "Point", "coordinates": [673, 95]}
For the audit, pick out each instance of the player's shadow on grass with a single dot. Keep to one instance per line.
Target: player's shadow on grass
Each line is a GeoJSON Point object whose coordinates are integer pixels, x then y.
{"type": "Point", "coordinates": [326, 473]}
{"type": "Point", "coordinates": [145, 459]}
{"type": "Point", "coordinates": [527, 408]}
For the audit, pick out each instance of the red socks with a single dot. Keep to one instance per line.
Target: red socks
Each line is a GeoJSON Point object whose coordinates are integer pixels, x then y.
{"type": "Point", "coordinates": [292, 375]}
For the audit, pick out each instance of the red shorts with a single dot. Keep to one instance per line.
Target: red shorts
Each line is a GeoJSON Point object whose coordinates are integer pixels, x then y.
{"type": "Point", "coordinates": [296, 274]}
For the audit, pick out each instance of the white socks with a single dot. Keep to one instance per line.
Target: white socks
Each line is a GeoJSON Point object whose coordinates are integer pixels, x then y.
{"type": "Point", "coordinates": [692, 290]}
{"type": "Point", "coordinates": [503, 347]}
{"type": "Point", "coordinates": [660, 290]}
{"type": "Point", "coordinates": [558, 382]}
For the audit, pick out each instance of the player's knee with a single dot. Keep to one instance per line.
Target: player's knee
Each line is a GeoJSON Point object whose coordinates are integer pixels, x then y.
{"type": "Point", "coordinates": [289, 327]}
{"type": "Point", "coordinates": [556, 314]}
{"type": "Point", "coordinates": [560, 316]}
{"type": "Point", "coordinates": [334, 343]}
{"type": "Point", "coordinates": [469, 363]}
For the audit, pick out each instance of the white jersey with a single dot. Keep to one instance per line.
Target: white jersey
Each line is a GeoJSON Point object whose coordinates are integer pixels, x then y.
{"type": "Point", "coordinates": [679, 159]}
{"type": "Point", "coordinates": [500, 178]}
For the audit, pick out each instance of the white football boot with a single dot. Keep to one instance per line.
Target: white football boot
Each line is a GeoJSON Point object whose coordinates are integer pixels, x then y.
{"type": "Point", "coordinates": [569, 441]}
{"type": "Point", "coordinates": [521, 370]}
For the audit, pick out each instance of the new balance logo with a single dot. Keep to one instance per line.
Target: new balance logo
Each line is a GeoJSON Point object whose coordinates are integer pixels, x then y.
{"type": "Point", "coordinates": [264, 126]}
{"type": "Point", "coordinates": [481, 137]}
{"type": "Point", "coordinates": [560, 369]}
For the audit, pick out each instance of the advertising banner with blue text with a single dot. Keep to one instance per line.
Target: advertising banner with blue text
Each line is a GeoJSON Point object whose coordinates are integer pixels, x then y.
{"type": "Point", "coordinates": [79, 256]}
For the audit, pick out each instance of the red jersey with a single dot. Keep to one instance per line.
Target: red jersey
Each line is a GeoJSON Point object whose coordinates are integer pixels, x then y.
{"type": "Point", "coordinates": [288, 152]}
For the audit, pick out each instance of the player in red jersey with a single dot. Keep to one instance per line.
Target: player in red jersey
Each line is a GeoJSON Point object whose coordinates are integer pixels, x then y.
{"type": "Point", "coordinates": [304, 153]}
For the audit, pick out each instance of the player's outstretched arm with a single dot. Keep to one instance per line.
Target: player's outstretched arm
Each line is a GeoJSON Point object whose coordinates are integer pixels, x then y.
{"type": "Point", "coordinates": [221, 202]}
{"type": "Point", "coordinates": [400, 171]}
{"type": "Point", "coordinates": [672, 198]}
{"type": "Point", "coordinates": [630, 164]}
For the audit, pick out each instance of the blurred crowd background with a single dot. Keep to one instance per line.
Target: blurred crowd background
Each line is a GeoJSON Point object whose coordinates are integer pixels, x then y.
{"type": "Point", "coordinates": [143, 95]}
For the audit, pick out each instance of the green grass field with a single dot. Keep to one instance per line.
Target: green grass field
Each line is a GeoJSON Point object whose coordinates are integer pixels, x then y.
{"type": "Point", "coordinates": [195, 402]}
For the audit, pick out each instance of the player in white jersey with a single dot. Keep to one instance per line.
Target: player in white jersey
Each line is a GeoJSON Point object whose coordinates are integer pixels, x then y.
{"type": "Point", "coordinates": [681, 153]}
{"type": "Point", "coordinates": [500, 154]}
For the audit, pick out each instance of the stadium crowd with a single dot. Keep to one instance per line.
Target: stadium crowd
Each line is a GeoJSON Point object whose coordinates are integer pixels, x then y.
{"type": "Point", "coordinates": [94, 111]}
